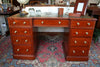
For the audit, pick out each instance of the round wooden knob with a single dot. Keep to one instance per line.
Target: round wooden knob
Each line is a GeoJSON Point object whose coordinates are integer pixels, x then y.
{"type": "Point", "coordinates": [25, 31]}
{"type": "Point", "coordinates": [88, 24]}
{"type": "Point", "coordinates": [27, 50]}
{"type": "Point", "coordinates": [76, 33]}
{"type": "Point", "coordinates": [14, 22]}
{"type": "Point", "coordinates": [75, 41]}
{"type": "Point", "coordinates": [59, 22]}
{"type": "Point", "coordinates": [17, 49]}
{"type": "Point", "coordinates": [82, 51]}
{"type": "Point", "coordinates": [78, 23]}
{"type": "Point", "coordinates": [24, 22]}
{"type": "Point", "coordinates": [73, 51]}
{"type": "Point", "coordinates": [85, 42]}
{"type": "Point", "coordinates": [42, 22]}
{"type": "Point", "coordinates": [87, 33]}
{"type": "Point", "coordinates": [15, 31]}
{"type": "Point", "coordinates": [26, 40]}
{"type": "Point", "coordinates": [16, 40]}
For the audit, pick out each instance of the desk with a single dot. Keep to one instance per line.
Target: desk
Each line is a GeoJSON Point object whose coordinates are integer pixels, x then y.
{"type": "Point", "coordinates": [23, 31]}
{"type": "Point", "coordinates": [94, 10]}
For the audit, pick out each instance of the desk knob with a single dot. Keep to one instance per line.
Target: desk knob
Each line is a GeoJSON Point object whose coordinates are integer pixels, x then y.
{"type": "Point", "coordinates": [16, 40]}
{"type": "Point", "coordinates": [73, 51]}
{"type": "Point", "coordinates": [17, 49]}
{"type": "Point", "coordinates": [59, 22]}
{"type": "Point", "coordinates": [27, 50]}
{"type": "Point", "coordinates": [14, 22]}
{"type": "Point", "coordinates": [24, 22]}
{"type": "Point", "coordinates": [42, 22]}
{"type": "Point", "coordinates": [88, 24]}
{"type": "Point", "coordinates": [82, 51]}
{"type": "Point", "coordinates": [87, 33]}
{"type": "Point", "coordinates": [25, 31]}
{"type": "Point", "coordinates": [76, 33]}
{"type": "Point", "coordinates": [78, 23]}
{"type": "Point", "coordinates": [85, 42]}
{"type": "Point", "coordinates": [75, 41]}
{"type": "Point", "coordinates": [15, 31]}
{"type": "Point", "coordinates": [26, 40]}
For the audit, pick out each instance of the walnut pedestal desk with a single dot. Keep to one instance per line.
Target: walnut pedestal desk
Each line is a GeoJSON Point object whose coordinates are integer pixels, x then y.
{"type": "Point", "coordinates": [23, 32]}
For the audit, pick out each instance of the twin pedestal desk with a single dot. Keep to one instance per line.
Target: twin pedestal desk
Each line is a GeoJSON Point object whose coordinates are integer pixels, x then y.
{"type": "Point", "coordinates": [23, 32]}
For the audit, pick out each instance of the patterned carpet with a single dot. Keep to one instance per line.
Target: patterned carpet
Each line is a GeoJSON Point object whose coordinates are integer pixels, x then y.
{"type": "Point", "coordinates": [50, 54]}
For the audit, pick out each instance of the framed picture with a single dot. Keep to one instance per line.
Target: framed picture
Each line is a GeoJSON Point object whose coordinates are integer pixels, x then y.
{"type": "Point", "coordinates": [81, 6]}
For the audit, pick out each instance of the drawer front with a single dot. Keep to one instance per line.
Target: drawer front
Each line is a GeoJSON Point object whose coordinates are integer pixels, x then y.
{"type": "Point", "coordinates": [78, 51]}
{"type": "Point", "coordinates": [51, 23]}
{"type": "Point", "coordinates": [20, 22]}
{"type": "Point", "coordinates": [80, 41]}
{"type": "Point", "coordinates": [21, 31]}
{"type": "Point", "coordinates": [21, 40]}
{"type": "Point", "coordinates": [78, 24]}
{"type": "Point", "coordinates": [23, 50]}
{"type": "Point", "coordinates": [81, 32]}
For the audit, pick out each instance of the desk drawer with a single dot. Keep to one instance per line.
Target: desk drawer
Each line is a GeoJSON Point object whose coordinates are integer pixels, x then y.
{"type": "Point", "coordinates": [23, 50]}
{"type": "Point", "coordinates": [21, 40]}
{"type": "Point", "coordinates": [20, 22]}
{"type": "Point", "coordinates": [51, 23]}
{"type": "Point", "coordinates": [21, 31]}
{"type": "Point", "coordinates": [78, 51]}
{"type": "Point", "coordinates": [81, 32]}
{"type": "Point", "coordinates": [82, 24]}
{"type": "Point", "coordinates": [80, 41]}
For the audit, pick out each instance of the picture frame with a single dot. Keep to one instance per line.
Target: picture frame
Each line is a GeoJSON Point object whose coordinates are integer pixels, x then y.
{"type": "Point", "coordinates": [81, 6]}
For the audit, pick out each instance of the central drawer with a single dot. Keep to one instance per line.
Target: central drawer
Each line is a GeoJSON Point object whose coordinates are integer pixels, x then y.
{"type": "Point", "coordinates": [51, 23]}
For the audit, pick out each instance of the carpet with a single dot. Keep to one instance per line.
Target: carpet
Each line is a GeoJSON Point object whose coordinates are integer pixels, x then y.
{"type": "Point", "coordinates": [49, 54]}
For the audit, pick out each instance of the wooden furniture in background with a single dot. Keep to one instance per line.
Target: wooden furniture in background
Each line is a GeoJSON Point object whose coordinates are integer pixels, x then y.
{"type": "Point", "coordinates": [34, 2]}
{"type": "Point", "coordinates": [78, 6]}
{"type": "Point", "coordinates": [40, 1]}
{"type": "Point", "coordinates": [93, 4]}
{"type": "Point", "coordinates": [76, 42]}
{"type": "Point", "coordinates": [94, 11]}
